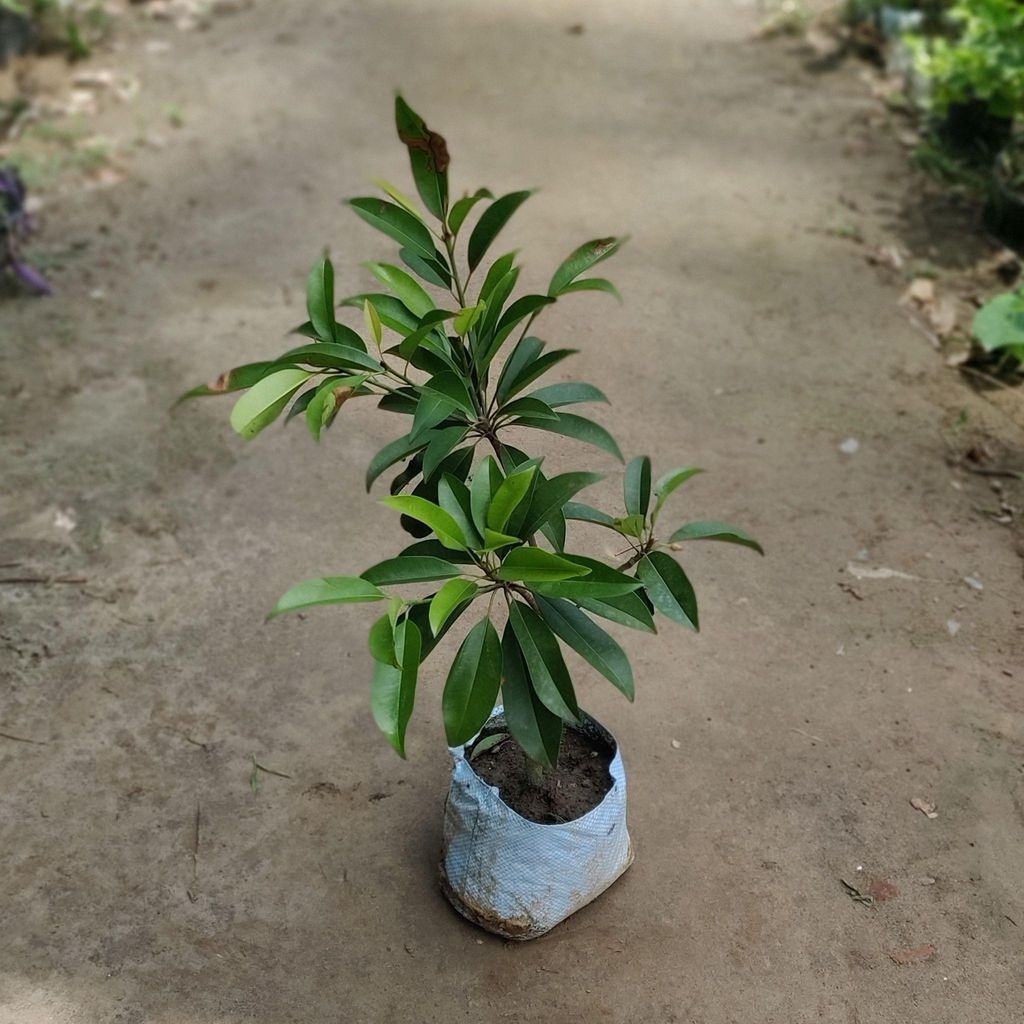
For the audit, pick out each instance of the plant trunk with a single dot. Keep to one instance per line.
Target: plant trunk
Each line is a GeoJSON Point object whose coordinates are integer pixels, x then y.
{"type": "Point", "coordinates": [534, 772]}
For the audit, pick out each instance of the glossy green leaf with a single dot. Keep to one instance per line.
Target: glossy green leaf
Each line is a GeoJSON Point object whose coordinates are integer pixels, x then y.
{"type": "Point", "coordinates": [588, 640]}
{"type": "Point", "coordinates": [406, 288]}
{"type": "Point", "coordinates": [431, 410]}
{"type": "Point", "coordinates": [493, 219]}
{"type": "Point", "coordinates": [487, 478]}
{"type": "Point", "coordinates": [535, 565]}
{"type": "Point", "coordinates": [524, 306]}
{"type": "Point", "coordinates": [381, 641]}
{"type": "Point", "coordinates": [507, 497]}
{"type": "Point", "coordinates": [471, 690]}
{"type": "Point", "coordinates": [395, 451]}
{"type": "Point", "coordinates": [394, 689]}
{"type": "Point", "coordinates": [428, 157]}
{"type": "Point", "coordinates": [435, 549]}
{"type": "Point", "coordinates": [320, 298]}
{"type": "Point", "coordinates": [497, 273]}
{"type": "Point", "coordinates": [669, 588]}
{"type": "Point", "coordinates": [453, 497]}
{"type": "Point", "coordinates": [578, 427]}
{"type": "Point", "coordinates": [327, 590]}
{"type": "Point", "coordinates": [330, 396]}
{"type": "Point", "coordinates": [525, 365]}
{"type": "Point", "coordinates": [668, 483]}
{"type": "Point", "coordinates": [399, 197]}
{"type": "Point", "coordinates": [372, 322]}
{"type": "Point", "coordinates": [587, 514]}
{"type": "Point", "coordinates": [528, 407]}
{"type": "Point", "coordinates": [532, 725]}
{"type": "Point", "coordinates": [714, 530]}
{"type": "Point", "coordinates": [630, 526]}
{"type": "Point", "coordinates": [237, 379]}
{"type": "Point", "coordinates": [467, 317]}
{"type": "Point", "coordinates": [265, 401]}
{"type": "Point", "coordinates": [552, 494]}
{"type": "Point", "coordinates": [636, 486]}
{"type": "Point", "coordinates": [447, 530]}
{"type": "Point", "coordinates": [392, 313]}
{"type": "Point", "coordinates": [328, 355]}
{"type": "Point", "coordinates": [592, 284]}
{"type": "Point", "coordinates": [570, 393]}
{"type": "Point", "coordinates": [404, 569]}
{"type": "Point", "coordinates": [600, 581]}
{"type": "Point", "coordinates": [494, 541]}
{"type": "Point", "coordinates": [461, 207]}
{"type": "Point", "coordinates": [586, 256]}
{"type": "Point", "coordinates": [441, 446]}
{"type": "Point", "coordinates": [625, 609]}
{"type": "Point", "coordinates": [396, 223]}
{"type": "Point", "coordinates": [553, 529]}
{"type": "Point", "coordinates": [432, 269]}
{"type": "Point", "coordinates": [447, 599]}
{"type": "Point", "coordinates": [544, 661]}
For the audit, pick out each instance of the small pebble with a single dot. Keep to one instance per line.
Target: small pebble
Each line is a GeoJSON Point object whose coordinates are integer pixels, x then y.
{"type": "Point", "coordinates": [676, 744]}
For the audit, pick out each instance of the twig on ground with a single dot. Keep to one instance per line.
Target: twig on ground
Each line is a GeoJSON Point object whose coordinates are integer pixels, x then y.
{"type": "Point", "coordinates": [192, 894]}
{"type": "Point", "coordinates": [46, 579]}
{"type": "Point", "coordinates": [23, 739]}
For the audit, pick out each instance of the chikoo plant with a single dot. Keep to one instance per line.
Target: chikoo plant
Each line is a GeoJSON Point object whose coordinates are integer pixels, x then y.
{"type": "Point", "coordinates": [490, 524]}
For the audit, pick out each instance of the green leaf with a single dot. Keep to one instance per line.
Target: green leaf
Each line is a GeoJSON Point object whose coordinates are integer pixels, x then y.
{"type": "Point", "coordinates": [533, 727]}
{"type": "Point", "coordinates": [452, 387]}
{"type": "Point", "coordinates": [587, 514]}
{"type": "Point", "coordinates": [535, 565]}
{"type": "Point", "coordinates": [372, 322]}
{"type": "Point", "coordinates": [473, 683]}
{"type": "Point", "coordinates": [328, 355]}
{"type": "Point", "coordinates": [327, 590]}
{"type": "Point", "coordinates": [669, 588]}
{"type": "Point", "coordinates": [394, 689]}
{"type": "Point", "coordinates": [453, 497]}
{"type": "Point", "coordinates": [461, 207]}
{"type": "Point", "coordinates": [714, 530]}
{"type": "Point", "coordinates": [507, 497]}
{"type": "Point", "coordinates": [237, 379]}
{"type": "Point", "coordinates": [570, 393]}
{"type": "Point", "coordinates": [487, 478]}
{"type": "Point", "coordinates": [493, 219]}
{"type": "Point", "coordinates": [552, 494]}
{"type": "Point", "coordinates": [636, 486]}
{"type": "Point", "coordinates": [630, 526]}
{"type": "Point", "coordinates": [330, 396]}
{"type": "Point", "coordinates": [396, 223]}
{"type": "Point", "coordinates": [433, 269]}
{"type": "Point", "coordinates": [431, 410]}
{"type": "Point", "coordinates": [427, 327]}
{"type": "Point", "coordinates": [528, 407]}
{"type": "Point", "coordinates": [586, 256]}
{"type": "Point", "coordinates": [626, 609]}
{"type": "Point", "coordinates": [525, 365]}
{"type": "Point", "coordinates": [435, 549]}
{"type": "Point", "coordinates": [406, 288]}
{"type": "Point", "coordinates": [381, 641]}
{"type": "Point", "coordinates": [442, 445]}
{"type": "Point", "coordinates": [668, 483]}
{"type": "Point", "coordinates": [524, 306]}
{"type": "Point", "coordinates": [393, 452]}
{"type": "Point", "coordinates": [588, 640]}
{"type": "Point", "coordinates": [554, 530]}
{"type": "Point", "coordinates": [410, 570]}
{"type": "Point", "coordinates": [447, 599]}
{"type": "Point", "coordinates": [999, 324]}
{"type": "Point", "coordinates": [496, 274]}
{"type": "Point", "coordinates": [467, 317]}
{"type": "Point", "coordinates": [494, 540]}
{"type": "Point", "coordinates": [592, 284]}
{"type": "Point", "coordinates": [320, 298]}
{"type": "Point", "coordinates": [392, 313]}
{"type": "Point", "coordinates": [265, 401]}
{"type": "Point", "coordinates": [428, 156]}
{"type": "Point", "coordinates": [601, 581]}
{"type": "Point", "coordinates": [578, 427]}
{"type": "Point", "coordinates": [544, 661]}
{"type": "Point", "coordinates": [447, 530]}
{"type": "Point", "coordinates": [399, 197]}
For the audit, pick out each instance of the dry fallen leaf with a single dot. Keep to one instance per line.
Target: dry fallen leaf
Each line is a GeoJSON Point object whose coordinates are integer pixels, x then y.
{"type": "Point", "coordinates": [927, 809]}
{"type": "Point", "coordinates": [913, 956]}
{"type": "Point", "coordinates": [921, 291]}
{"type": "Point", "coordinates": [881, 891]}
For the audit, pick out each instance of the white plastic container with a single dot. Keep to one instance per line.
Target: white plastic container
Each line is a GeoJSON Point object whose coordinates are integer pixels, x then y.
{"type": "Point", "coordinates": [519, 878]}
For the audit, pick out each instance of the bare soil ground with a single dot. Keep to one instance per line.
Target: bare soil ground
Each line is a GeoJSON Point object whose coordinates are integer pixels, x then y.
{"type": "Point", "coordinates": [144, 881]}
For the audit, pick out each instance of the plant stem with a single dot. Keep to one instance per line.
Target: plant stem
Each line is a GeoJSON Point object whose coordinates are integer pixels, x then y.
{"type": "Point", "coordinates": [534, 772]}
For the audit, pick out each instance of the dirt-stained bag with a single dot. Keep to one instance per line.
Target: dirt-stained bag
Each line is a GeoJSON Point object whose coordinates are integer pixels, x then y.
{"type": "Point", "coordinates": [519, 878]}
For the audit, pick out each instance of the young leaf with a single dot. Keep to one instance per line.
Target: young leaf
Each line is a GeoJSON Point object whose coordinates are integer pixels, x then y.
{"type": "Point", "coordinates": [535, 565]}
{"type": "Point", "coordinates": [372, 321]}
{"type": "Point", "coordinates": [404, 569]}
{"type": "Point", "coordinates": [586, 256]}
{"type": "Point", "coordinates": [630, 526]}
{"type": "Point", "coordinates": [461, 207]}
{"type": "Point", "coordinates": [407, 289]}
{"type": "Point", "coordinates": [668, 483]}
{"type": "Point", "coordinates": [552, 494]}
{"type": "Point", "coordinates": [265, 400]}
{"type": "Point", "coordinates": [473, 683]}
{"type": "Point", "coordinates": [544, 661]}
{"type": "Point", "coordinates": [578, 427]}
{"type": "Point", "coordinates": [396, 223]}
{"type": "Point", "coordinates": [392, 313]}
{"type": "Point", "coordinates": [636, 486]}
{"type": "Point", "coordinates": [323, 406]}
{"type": "Point", "coordinates": [238, 379]}
{"type": "Point", "coordinates": [447, 599]}
{"type": "Point", "coordinates": [493, 219]}
{"type": "Point", "coordinates": [447, 530]}
{"type": "Point", "coordinates": [570, 393]}
{"type": "Point", "coordinates": [327, 590]}
{"type": "Point", "coordinates": [588, 640]}
{"type": "Point", "coordinates": [507, 497]}
{"type": "Point", "coordinates": [713, 530]}
{"type": "Point", "coordinates": [399, 197]}
{"type": "Point", "coordinates": [394, 689]}
{"type": "Point", "coordinates": [533, 727]}
{"type": "Point", "coordinates": [669, 588]}
{"type": "Point", "coordinates": [428, 156]}
{"type": "Point", "coordinates": [381, 641]}
{"type": "Point", "coordinates": [467, 317]}
{"type": "Point", "coordinates": [320, 298]}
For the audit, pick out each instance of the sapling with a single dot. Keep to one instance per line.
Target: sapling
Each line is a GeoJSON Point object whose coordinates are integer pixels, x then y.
{"type": "Point", "coordinates": [490, 524]}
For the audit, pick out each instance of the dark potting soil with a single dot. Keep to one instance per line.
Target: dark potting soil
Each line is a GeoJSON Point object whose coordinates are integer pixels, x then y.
{"type": "Point", "coordinates": [576, 785]}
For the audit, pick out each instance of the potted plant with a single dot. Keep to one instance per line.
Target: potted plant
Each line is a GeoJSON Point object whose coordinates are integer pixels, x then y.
{"type": "Point", "coordinates": [976, 78]}
{"type": "Point", "coordinates": [535, 820]}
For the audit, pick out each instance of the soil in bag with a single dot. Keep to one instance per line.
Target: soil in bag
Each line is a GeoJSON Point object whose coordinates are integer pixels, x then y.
{"type": "Point", "coordinates": [577, 785]}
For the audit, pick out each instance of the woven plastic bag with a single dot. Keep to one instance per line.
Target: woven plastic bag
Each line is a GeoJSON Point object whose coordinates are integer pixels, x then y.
{"type": "Point", "coordinates": [519, 878]}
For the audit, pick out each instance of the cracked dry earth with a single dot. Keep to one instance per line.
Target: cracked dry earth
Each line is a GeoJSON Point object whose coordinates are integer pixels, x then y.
{"type": "Point", "coordinates": [752, 342]}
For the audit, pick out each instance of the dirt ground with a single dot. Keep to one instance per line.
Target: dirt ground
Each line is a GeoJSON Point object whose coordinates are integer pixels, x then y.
{"type": "Point", "coordinates": [754, 341]}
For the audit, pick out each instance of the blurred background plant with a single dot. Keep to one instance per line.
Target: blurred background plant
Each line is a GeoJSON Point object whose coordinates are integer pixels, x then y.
{"type": "Point", "coordinates": [15, 225]}
{"type": "Point", "coordinates": [72, 27]}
